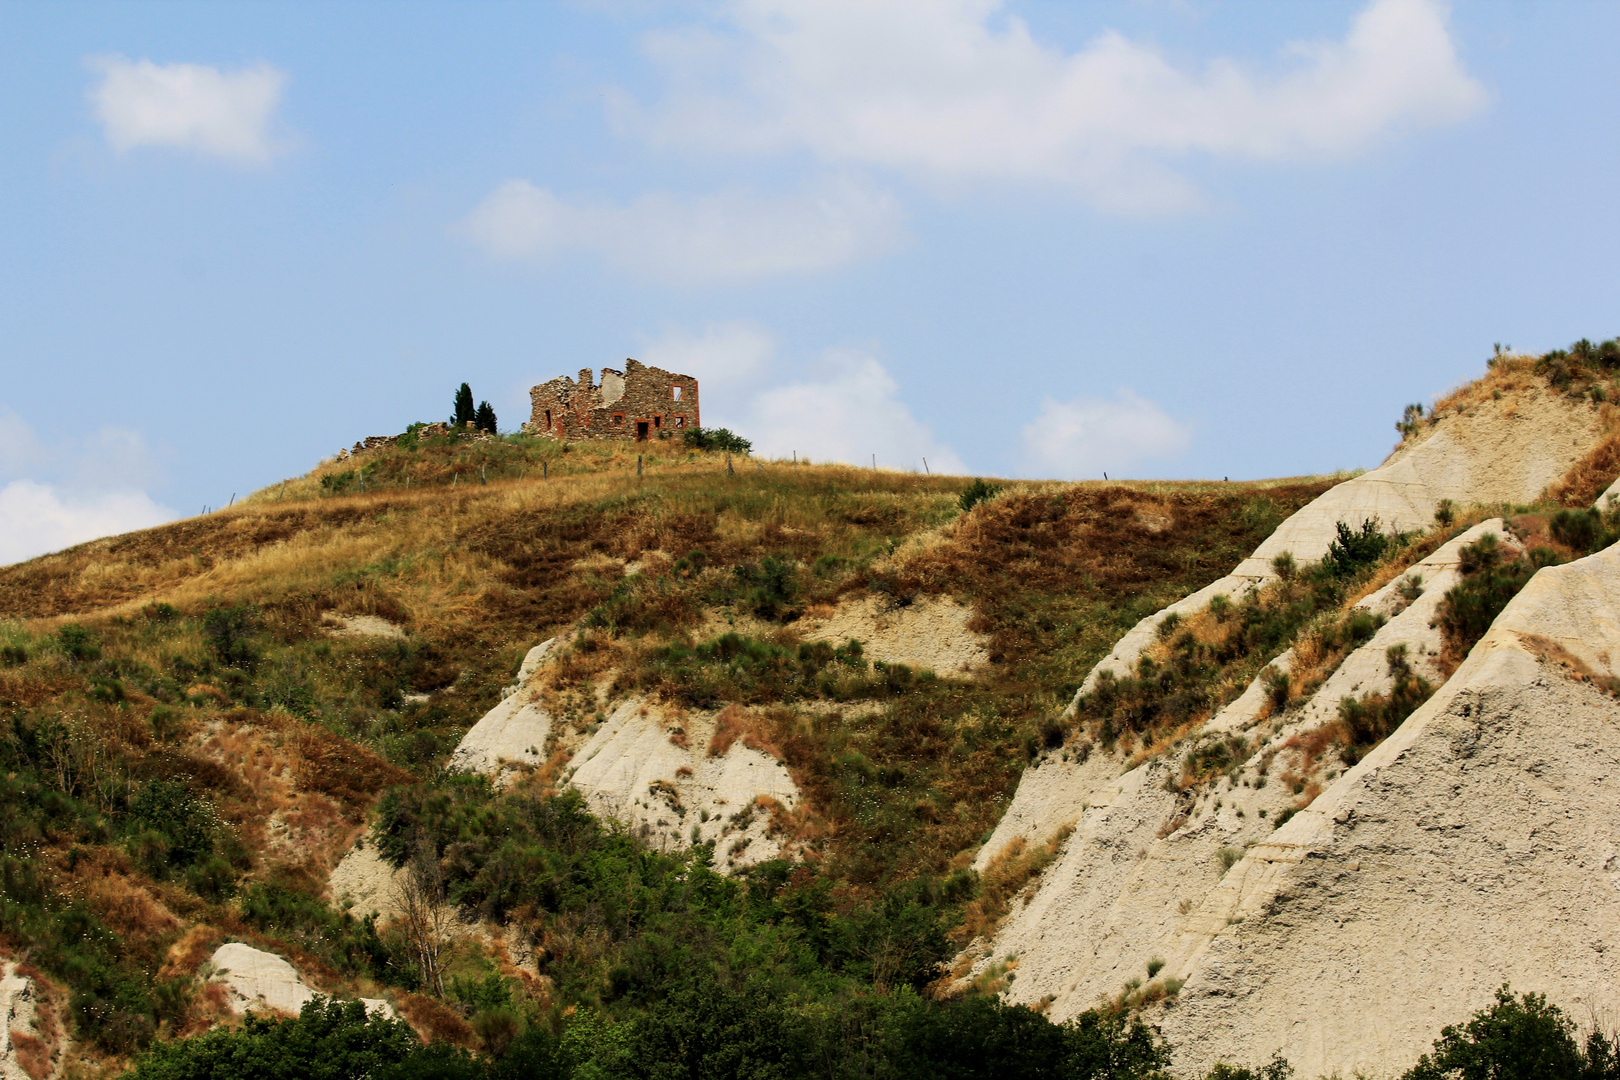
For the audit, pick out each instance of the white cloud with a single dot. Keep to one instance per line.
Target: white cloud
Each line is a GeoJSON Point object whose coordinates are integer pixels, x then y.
{"type": "Point", "coordinates": [225, 114]}
{"type": "Point", "coordinates": [729, 359]}
{"type": "Point", "coordinates": [958, 90]}
{"type": "Point", "coordinates": [728, 236]}
{"type": "Point", "coordinates": [64, 495]}
{"type": "Point", "coordinates": [851, 413]}
{"type": "Point", "coordinates": [847, 410]}
{"type": "Point", "coordinates": [1089, 436]}
{"type": "Point", "coordinates": [37, 518]}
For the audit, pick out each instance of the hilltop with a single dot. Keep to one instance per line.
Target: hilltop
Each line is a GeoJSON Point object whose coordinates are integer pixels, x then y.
{"type": "Point", "coordinates": [815, 736]}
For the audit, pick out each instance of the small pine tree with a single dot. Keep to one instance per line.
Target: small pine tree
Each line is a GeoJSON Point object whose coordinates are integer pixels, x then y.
{"type": "Point", "coordinates": [464, 408]}
{"type": "Point", "coordinates": [485, 418]}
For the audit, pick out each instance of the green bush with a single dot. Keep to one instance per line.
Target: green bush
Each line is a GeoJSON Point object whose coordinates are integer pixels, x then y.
{"type": "Point", "coordinates": [77, 643]}
{"type": "Point", "coordinates": [975, 493]}
{"type": "Point", "coordinates": [1521, 1038]}
{"type": "Point", "coordinates": [1487, 584]}
{"type": "Point", "coordinates": [229, 633]}
{"type": "Point", "coordinates": [329, 1040]}
{"type": "Point", "coordinates": [1582, 530]}
{"type": "Point", "coordinates": [723, 439]}
{"type": "Point", "coordinates": [768, 590]}
{"type": "Point", "coordinates": [1354, 550]}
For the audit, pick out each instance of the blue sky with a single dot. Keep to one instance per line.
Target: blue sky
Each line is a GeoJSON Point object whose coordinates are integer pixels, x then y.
{"type": "Point", "coordinates": [1025, 239]}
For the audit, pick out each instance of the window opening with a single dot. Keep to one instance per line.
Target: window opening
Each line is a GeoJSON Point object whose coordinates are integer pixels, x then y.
{"type": "Point", "coordinates": [676, 391]}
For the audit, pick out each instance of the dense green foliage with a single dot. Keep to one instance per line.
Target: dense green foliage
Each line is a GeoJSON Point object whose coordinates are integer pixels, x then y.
{"type": "Point", "coordinates": [330, 1040]}
{"type": "Point", "coordinates": [1521, 1038]}
{"type": "Point", "coordinates": [723, 439]}
{"type": "Point", "coordinates": [1488, 583]}
{"type": "Point", "coordinates": [484, 418]}
{"type": "Point", "coordinates": [702, 1030]}
{"type": "Point", "coordinates": [698, 1030]}
{"type": "Point", "coordinates": [1354, 550]}
{"type": "Point", "coordinates": [976, 493]}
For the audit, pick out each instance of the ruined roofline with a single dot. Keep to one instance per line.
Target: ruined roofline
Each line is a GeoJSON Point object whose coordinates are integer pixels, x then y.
{"type": "Point", "coordinates": [640, 403]}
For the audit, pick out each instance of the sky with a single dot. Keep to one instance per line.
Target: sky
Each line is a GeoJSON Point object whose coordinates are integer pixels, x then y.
{"type": "Point", "coordinates": [1152, 238]}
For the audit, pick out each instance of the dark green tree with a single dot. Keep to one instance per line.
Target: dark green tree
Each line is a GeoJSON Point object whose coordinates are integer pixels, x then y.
{"type": "Point", "coordinates": [329, 1040]}
{"type": "Point", "coordinates": [484, 419]}
{"type": "Point", "coordinates": [464, 407]}
{"type": "Point", "coordinates": [1515, 1039]}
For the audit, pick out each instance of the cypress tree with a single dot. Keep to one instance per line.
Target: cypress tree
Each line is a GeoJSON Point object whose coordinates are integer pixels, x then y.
{"type": "Point", "coordinates": [464, 407]}
{"type": "Point", "coordinates": [485, 420]}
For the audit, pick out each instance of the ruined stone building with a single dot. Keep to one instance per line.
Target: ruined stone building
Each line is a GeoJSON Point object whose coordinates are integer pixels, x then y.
{"type": "Point", "coordinates": [640, 403]}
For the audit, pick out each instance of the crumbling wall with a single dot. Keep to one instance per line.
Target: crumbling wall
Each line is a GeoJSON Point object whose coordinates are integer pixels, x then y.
{"type": "Point", "coordinates": [640, 403]}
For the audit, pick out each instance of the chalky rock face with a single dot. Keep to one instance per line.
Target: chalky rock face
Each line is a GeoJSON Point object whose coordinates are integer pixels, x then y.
{"type": "Point", "coordinates": [930, 633]}
{"type": "Point", "coordinates": [1475, 846]}
{"type": "Point", "coordinates": [258, 981]}
{"type": "Point", "coordinates": [514, 731]}
{"type": "Point", "coordinates": [643, 765]}
{"type": "Point", "coordinates": [1486, 818]}
{"type": "Point", "coordinates": [19, 1011]}
{"type": "Point", "coordinates": [662, 778]}
{"type": "Point", "coordinates": [1503, 451]}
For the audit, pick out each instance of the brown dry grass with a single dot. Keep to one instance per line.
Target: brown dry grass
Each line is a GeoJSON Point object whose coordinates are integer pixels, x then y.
{"type": "Point", "coordinates": [1589, 477]}
{"type": "Point", "coordinates": [1008, 872]}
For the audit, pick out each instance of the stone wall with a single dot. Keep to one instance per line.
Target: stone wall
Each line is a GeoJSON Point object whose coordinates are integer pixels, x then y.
{"type": "Point", "coordinates": [640, 403]}
{"type": "Point", "coordinates": [372, 442]}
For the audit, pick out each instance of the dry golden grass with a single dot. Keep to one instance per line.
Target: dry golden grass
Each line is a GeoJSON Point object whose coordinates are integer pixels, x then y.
{"type": "Point", "coordinates": [1007, 873]}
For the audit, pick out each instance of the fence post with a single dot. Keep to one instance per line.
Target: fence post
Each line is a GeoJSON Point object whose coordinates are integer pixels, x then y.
{"type": "Point", "coordinates": [638, 464]}
{"type": "Point", "coordinates": [925, 468]}
{"type": "Point", "coordinates": [483, 474]}
{"type": "Point", "coordinates": [729, 470]}
{"type": "Point", "coordinates": [545, 470]}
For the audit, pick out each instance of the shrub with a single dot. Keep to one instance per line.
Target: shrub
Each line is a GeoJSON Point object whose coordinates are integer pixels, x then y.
{"type": "Point", "coordinates": [1411, 421]}
{"type": "Point", "coordinates": [769, 588]}
{"type": "Point", "coordinates": [1445, 512]}
{"type": "Point", "coordinates": [1353, 550]}
{"type": "Point", "coordinates": [975, 493]}
{"type": "Point", "coordinates": [228, 631]}
{"type": "Point", "coordinates": [332, 1040]}
{"type": "Point", "coordinates": [1284, 565]}
{"type": "Point", "coordinates": [1470, 606]}
{"type": "Point", "coordinates": [1515, 1039]}
{"type": "Point", "coordinates": [1276, 1069]}
{"type": "Point", "coordinates": [723, 439]}
{"type": "Point", "coordinates": [1581, 530]}
{"type": "Point", "coordinates": [77, 643]}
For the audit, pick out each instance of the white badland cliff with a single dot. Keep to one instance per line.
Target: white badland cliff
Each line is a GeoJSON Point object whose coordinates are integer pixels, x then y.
{"type": "Point", "coordinates": [1474, 846]}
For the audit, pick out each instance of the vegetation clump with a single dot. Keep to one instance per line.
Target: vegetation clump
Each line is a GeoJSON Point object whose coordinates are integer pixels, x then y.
{"type": "Point", "coordinates": [721, 439]}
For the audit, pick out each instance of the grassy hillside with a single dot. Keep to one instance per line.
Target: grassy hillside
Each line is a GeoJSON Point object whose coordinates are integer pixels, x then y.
{"type": "Point", "coordinates": [190, 748]}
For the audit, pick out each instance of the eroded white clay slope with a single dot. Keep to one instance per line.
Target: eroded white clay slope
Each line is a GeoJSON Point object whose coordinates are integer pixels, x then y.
{"type": "Point", "coordinates": [1477, 845]}
{"type": "Point", "coordinates": [1147, 860]}
{"type": "Point", "coordinates": [1504, 451]}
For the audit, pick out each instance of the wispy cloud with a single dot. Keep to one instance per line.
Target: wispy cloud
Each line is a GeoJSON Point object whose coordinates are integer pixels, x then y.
{"type": "Point", "coordinates": [214, 112]}
{"type": "Point", "coordinates": [843, 406]}
{"type": "Point", "coordinates": [960, 91]}
{"type": "Point", "coordinates": [38, 518]}
{"type": "Point", "coordinates": [1087, 437]}
{"type": "Point", "coordinates": [693, 240]}
{"type": "Point", "coordinates": [57, 496]}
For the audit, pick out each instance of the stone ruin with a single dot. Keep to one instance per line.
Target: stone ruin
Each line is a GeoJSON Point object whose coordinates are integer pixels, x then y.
{"type": "Point", "coordinates": [638, 404]}
{"type": "Point", "coordinates": [427, 431]}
